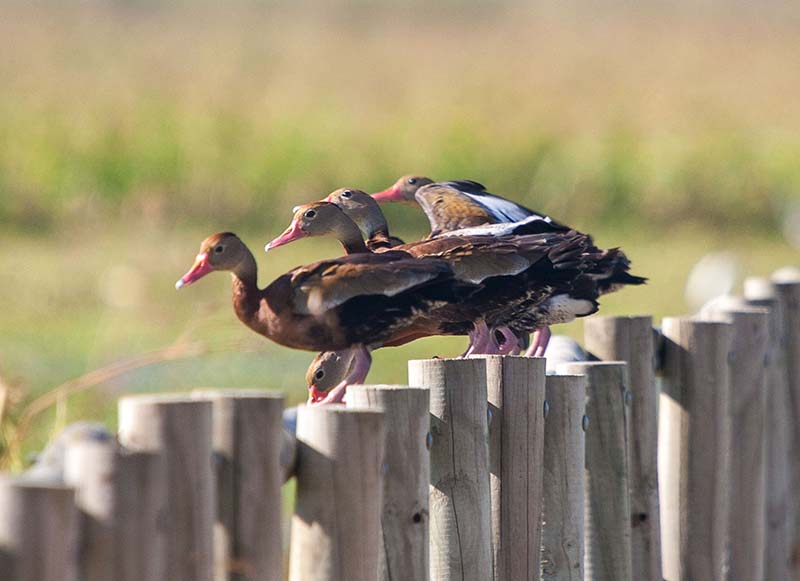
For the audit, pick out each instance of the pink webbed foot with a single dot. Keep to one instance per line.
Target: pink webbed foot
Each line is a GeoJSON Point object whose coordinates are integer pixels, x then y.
{"type": "Point", "coordinates": [479, 339]}
{"type": "Point", "coordinates": [539, 342]}
{"type": "Point", "coordinates": [510, 342]}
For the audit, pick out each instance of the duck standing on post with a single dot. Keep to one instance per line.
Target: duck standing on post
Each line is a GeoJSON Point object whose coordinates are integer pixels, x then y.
{"type": "Point", "coordinates": [356, 302]}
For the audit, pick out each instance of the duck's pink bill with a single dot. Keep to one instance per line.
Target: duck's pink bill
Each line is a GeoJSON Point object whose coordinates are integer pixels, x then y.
{"type": "Point", "coordinates": [292, 233]}
{"type": "Point", "coordinates": [200, 268]}
{"type": "Point", "coordinates": [391, 194]}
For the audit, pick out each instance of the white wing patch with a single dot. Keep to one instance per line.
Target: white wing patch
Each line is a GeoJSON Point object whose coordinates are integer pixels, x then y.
{"type": "Point", "coordinates": [563, 308]}
{"type": "Point", "coordinates": [502, 209]}
{"type": "Point", "coordinates": [495, 229]}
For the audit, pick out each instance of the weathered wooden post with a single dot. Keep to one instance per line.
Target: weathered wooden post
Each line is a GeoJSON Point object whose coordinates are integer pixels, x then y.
{"type": "Point", "coordinates": [120, 496]}
{"type": "Point", "coordinates": [406, 479]}
{"type": "Point", "coordinates": [460, 528]}
{"type": "Point", "coordinates": [747, 400]}
{"type": "Point", "coordinates": [630, 339]}
{"type": "Point", "coordinates": [38, 531]}
{"type": "Point", "coordinates": [336, 525]}
{"type": "Point", "coordinates": [563, 494]}
{"type": "Point", "coordinates": [694, 438]}
{"type": "Point", "coordinates": [608, 528]}
{"type": "Point", "coordinates": [515, 388]}
{"type": "Point", "coordinates": [247, 440]}
{"type": "Point", "coordinates": [787, 291]}
{"type": "Point", "coordinates": [179, 428]}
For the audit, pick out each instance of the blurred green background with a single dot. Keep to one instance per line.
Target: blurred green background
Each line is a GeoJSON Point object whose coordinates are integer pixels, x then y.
{"type": "Point", "coordinates": [130, 130]}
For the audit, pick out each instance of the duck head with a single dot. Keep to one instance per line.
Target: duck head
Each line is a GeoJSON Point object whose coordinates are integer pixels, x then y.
{"type": "Point", "coordinates": [403, 190]}
{"type": "Point", "coordinates": [327, 370]}
{"type": "Point", "coordinates": [318, 219]}
{"type": "Point", "coordinates": [361, 208]}
{"type": "Point", "coordinates": [222, 251]}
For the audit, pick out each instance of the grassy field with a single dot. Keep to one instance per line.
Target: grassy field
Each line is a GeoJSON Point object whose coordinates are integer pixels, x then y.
{"type": "Point", "coordinates": [130, 131]}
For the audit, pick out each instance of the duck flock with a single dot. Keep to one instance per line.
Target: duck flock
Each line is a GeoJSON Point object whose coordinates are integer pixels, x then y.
{"type": "Point", "coordinates": [490, 269]}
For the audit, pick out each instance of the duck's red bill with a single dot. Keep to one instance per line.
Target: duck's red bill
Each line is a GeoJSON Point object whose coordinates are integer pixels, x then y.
{"type": "Point", "coordinates": [200, 268]}
{"type": "Point", "coordinates": [316, 395]}
{"type": "Point", "coordinates": [391, 194]}
{"type": "Point", "coordinates": [292, 233]}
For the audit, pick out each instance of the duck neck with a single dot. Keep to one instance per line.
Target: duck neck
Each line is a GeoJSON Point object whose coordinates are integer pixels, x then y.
{"type": "Point", "coordinates": [245, 287]}
{"type": "Point", "coordinates": [350, 236]}
{"type": "Point", "coordinates": [377, 229]}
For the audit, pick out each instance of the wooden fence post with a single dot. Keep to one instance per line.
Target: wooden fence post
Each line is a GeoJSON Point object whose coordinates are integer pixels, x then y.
{"type": "Point", "coordinates": [563, 494]}
{"type": "Point", "coordinates": [247, 441]}
{"type": "Point", "coordinates": [336, 524]}
{"type": "Point", "coordinates": [180, 429]}
{"type": "Point", "coordinates": [694, 437]}
{"type": "Point", "coordinates": [747, 399]}
{"type": "Point", "coordinates": [608, 525]}
{"type": "Point", "coordinates": [460, 528]}
{"type": "Point", "coordinates": [515, 388]}
{"type": "Point", "coordinates": [38, 531]}
{"type": "Point", "coordinates": [120, 496]}
{"type": "Point", "coordinates": [630, 339]}
{"type": "Point", "coordinates": [787, 291]}
{"type": "Point", "coordinates": [90, 466]}
{"type": "Point", "coordinates": [404, 516]}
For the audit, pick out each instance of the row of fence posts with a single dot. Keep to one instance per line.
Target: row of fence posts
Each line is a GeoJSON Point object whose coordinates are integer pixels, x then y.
{"type": "Point", "coordinates": [492, 470]}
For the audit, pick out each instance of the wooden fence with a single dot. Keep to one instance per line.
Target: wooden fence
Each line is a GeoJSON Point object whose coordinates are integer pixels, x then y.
{"type": "Point", "coordinates": [672, 454]}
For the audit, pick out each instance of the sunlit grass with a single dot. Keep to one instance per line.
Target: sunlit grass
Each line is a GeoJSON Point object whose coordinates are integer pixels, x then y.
{"type": "Point", "coordinates": [130, 131]}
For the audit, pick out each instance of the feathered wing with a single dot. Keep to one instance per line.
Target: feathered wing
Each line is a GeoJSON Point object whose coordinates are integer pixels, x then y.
{"type": "Point", "coordinates": [327, 285]}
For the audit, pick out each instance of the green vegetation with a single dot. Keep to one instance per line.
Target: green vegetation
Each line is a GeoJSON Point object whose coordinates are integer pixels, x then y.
{"type": "Point", "coordinates": [130, 131]}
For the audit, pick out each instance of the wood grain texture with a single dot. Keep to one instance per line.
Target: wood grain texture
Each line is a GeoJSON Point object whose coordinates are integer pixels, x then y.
{"type": "Point", "coordinates": [747, 408]}
{"type": "Point", "coordinates": [90, 466]}
{"type": "Point", "coordinates": [141, 487]}
{"type": "Point", "coordinates": [404, 515]}
{"type": "Point", "coordinates": [247, 441]}
{"type": "Point", "coordinates": [336, 525]}
{"type": "Point", "coordinates": [515, 389]}
{"type": "Point", "coordinates": [38, 532]}
{"type": "Point", "coordinates": [694, 444]}
{"type": "Point", "coordinates": [608, 529]}
{"type": "Point", "coordinates": [460, 528]}
{"type": "Point", "coordinates": [563, 494]}
{"type": "Point", "coordinates": [630, 339]}
{"type": "Point", "coordinates": [777, 431]}
{"type": "Point", "coordinates": [120, 496]}
{"type": "Point", "coordinates": [787, 291]}
{"type": "Point", "coordinates": [179, 428]}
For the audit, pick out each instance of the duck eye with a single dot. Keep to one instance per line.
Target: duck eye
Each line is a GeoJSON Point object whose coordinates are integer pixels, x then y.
{"type": "Point", "coordinates": [310, 214]}
{"type": "Point", "coordinates": [319, 374]}
{"type": "Point", "coordinates": [411, 181]}
{"type": "Point", "coordinates": [218, 249]}
{"type": "Point", "coordinates": [347, 194]}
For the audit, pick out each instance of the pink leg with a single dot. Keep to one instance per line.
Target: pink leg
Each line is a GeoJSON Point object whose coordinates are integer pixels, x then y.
{"type": "Point", "coordinates": [362, 360]}
{"type": "Point", "coordinates": [539, 341]}
{"type": "Point", "coordinates": [510, 342]}
{"type": "Point", "coordinates": [479, 337]}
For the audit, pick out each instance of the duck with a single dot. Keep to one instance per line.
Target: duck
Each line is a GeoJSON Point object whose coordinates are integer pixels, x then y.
{"type": "Point", "coordinates": [356, 302]}
{"type": "Point", "coordinates": [459, 204]}
{"type": "Point", "coordinates": [326, 219]}
{"type": "Point", "coordinates": [462, 207]}
{"type": "Point", "coordinates": [326, 371]}
{"type": "Point", "coordinates": [520, 275]}
{"type": "Point", "coordinates": [609, 271]}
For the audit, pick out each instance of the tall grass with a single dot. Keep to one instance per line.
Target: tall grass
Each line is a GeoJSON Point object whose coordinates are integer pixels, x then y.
{"type": "Point", "coordinates": [192, 112]}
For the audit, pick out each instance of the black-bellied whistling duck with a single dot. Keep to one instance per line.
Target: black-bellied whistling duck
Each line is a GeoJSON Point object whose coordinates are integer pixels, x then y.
{"type": "Point", "coordinates": [326, 371]}
{"type": "Point", "coordinates": [458, 204]}
{"type": "Point", "coordinates": [355, 302]}
{"type": "Point", "coordinates": [326, 219]}
{"type": "Point", "coordinates": [465, 207]}
{"type": "Point", "coordinates": [550, 275]}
